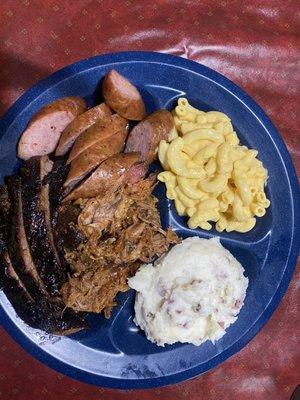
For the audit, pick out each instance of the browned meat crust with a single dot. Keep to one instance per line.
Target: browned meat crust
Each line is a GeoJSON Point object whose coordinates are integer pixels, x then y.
{"type": "Point", "coordinates": [19, 282]}
{"type": "Point", "coordinates": [80, 124]}
{"type": "Point", "coordinates": [109, 176]}
{"type": "Point", "coordinates": [146, 135]}
{"type": "Point", "coordinates": [122, 96]}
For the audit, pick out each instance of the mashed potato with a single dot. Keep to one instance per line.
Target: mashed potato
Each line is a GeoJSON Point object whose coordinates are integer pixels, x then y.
{"type": "Point", "coordinates": [190, 295]}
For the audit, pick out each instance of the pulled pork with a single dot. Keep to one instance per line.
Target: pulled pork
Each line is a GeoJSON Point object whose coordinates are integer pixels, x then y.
{"type": "Point", "coordinates": [123, 230]}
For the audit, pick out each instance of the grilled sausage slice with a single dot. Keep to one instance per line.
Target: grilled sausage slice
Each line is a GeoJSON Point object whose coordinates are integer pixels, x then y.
{"type": "Point", "coordinates": [97, 132]}
{"type": "Point", "coordinates": [122, 96]}
{"type": "Point", "coordinates": [146, 135]}
{"type": "Point", "coordinates": [110, 175]}
{"type": "Point", "coordinates": [43, 131]}
{"type": "Point", "coordinates": [80, 124]}
{"type": "Point", "coordinates": [95, 155]}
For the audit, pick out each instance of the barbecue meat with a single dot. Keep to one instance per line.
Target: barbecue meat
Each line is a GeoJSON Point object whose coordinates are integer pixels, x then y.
{"type": "Point", "coordinates": [123, 230]}
{"type": "Point", "coordinates": [18, 275]}
{"type": "Point", "coordinates": [37, 223]}
{"type": "Point", "coordinates": [18, 247]}
{"type": "Point", "coordinates": [9, 280]}
{"type": "Point", "coordinates": [67, 233]}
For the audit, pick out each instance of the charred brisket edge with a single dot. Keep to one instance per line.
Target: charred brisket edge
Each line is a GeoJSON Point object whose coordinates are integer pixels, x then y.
{"type": "Point", "coordinates": [27, 273]}
{"type": "Point", "coordinates": [63, 218]}
{"type": "Point", "coordinates": [55, 179]}
{"type": "Point", "coordinates": [9, 279]}
{"type": "Point", "coordinates": [47, 212]}
{"type": "Point", "coordinates": [67, 233]}
{"type": "Point", "coordinates": [48, 315]}
{"type": "Point", "coordinates": [36, 227]}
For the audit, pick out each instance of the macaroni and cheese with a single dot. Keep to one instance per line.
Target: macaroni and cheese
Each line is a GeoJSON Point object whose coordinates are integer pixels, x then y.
{"type": "Point", "coordinates": [209, 175]}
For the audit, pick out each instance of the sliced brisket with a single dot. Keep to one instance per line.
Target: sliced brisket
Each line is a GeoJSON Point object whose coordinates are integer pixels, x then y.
{"type": "Point", "coordinates": [67, 233]}
{"type": "Point", "coordinates": [63, 218]}
{"type": "Point", "coordinates": [18, 276]}
{"type": "Point", "coordinates": [54, 317]}
{"type": "Point", "coordinates": [19, 251]}
{"type": "Point", "coordinates": [36, 214]}
{"type": "Point", "coordinates": [9, 280]}
{"type": "Point", "coordinates": [55, 179]}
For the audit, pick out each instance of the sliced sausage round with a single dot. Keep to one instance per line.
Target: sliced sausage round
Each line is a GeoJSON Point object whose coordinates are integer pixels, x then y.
{"type": "Point", "coordinates": [122, 96]}
{"type": "Point", "coordinates": [110, 175]}
{"type": "Point", "coordinates": [95, 155]}
{"type": "Point", "coordinates": [146, 135]}
{"type": "Point", "coordinates": [45, 128]}
{"type": "Point", "coordinates": [80, 124]}
{"type": "Point", "coordinates": [98, 131]}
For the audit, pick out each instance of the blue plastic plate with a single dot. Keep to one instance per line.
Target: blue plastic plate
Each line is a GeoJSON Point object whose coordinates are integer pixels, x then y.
{"type": "Point", "coordinates": [114, 353]}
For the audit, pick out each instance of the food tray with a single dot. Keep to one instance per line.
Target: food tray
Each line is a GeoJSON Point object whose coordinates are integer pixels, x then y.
{"type": "Point", "coordinates": [114, 352]}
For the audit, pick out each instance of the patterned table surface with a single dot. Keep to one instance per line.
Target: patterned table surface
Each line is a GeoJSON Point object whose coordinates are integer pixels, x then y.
{"type": "Point", "coordinates": [254, 43]}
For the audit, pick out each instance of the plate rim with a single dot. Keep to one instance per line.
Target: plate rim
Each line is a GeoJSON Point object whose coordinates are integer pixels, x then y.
{"type": "Point", "coordinates": [156, 57]}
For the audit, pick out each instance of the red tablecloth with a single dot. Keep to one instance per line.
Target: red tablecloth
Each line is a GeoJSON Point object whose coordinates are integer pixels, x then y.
{"type": "Point", "coordinates": [254, 43]}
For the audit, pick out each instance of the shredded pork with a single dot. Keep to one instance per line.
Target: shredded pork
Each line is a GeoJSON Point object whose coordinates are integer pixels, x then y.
{"type": "Point", "coordinates": [123, 230]}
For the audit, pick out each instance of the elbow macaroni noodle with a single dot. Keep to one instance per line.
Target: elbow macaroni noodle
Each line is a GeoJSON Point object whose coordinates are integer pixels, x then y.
{"type": "Point", "coordinates": [209, 175]}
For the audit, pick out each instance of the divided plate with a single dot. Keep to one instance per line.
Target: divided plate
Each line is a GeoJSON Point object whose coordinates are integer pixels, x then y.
{"type": "Point", "coordinates": [114, 353]}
